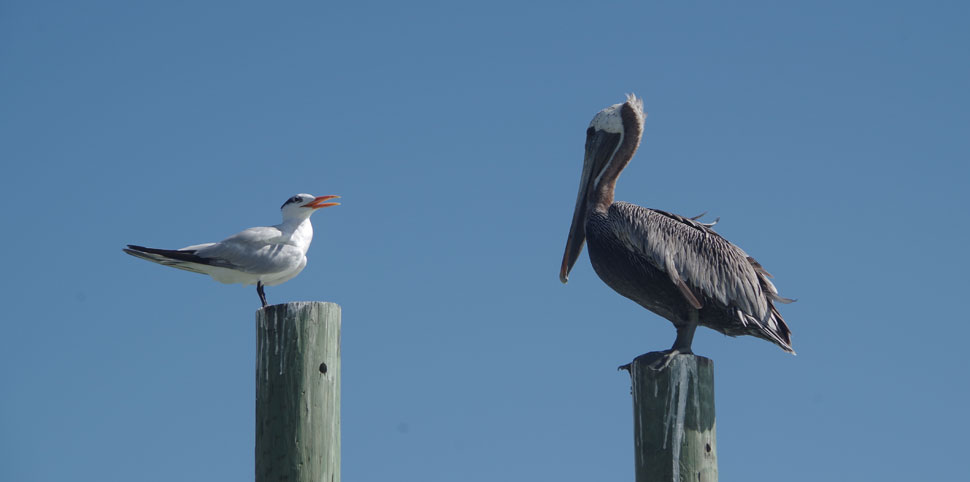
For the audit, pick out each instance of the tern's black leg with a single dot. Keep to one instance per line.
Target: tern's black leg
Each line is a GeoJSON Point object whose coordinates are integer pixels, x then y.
{"type": "Point", "coordinates": [262, 294]}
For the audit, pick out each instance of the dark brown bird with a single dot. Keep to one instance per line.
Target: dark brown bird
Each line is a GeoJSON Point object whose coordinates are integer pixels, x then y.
{"type": "Point", "coordinates": [674, 266]}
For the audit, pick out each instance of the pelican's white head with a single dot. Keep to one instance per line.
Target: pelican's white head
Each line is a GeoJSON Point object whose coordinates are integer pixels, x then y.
{"type": "Point", "coordinates": [610, 119]}
{"type": "Point", "coordinates": [302, 206]}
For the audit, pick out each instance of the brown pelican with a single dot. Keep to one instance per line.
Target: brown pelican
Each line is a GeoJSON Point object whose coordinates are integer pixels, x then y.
{"type": "Point", "coordinates": [674, 266]}
{"type": "Point", "coordinates": [263, 256]}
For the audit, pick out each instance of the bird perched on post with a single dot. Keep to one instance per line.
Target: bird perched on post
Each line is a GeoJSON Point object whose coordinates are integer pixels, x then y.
{"type": "Point", "coordinates": [264, 256]}
{"type": "Point", "coordinates": [674, 266]}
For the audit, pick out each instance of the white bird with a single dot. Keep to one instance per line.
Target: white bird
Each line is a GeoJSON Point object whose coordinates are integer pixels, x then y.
{"type": "Point", "coordinates": [264, 256]}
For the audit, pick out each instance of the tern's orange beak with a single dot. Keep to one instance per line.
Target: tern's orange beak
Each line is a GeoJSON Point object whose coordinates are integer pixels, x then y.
{"type": "Point", "coordinates": [318, 202]}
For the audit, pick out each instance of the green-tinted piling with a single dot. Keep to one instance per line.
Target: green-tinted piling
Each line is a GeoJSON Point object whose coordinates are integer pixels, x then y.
{"type": "Point", "coordinates": [674, 427]}
{"type": "Point", "coordinates": [298, 392]}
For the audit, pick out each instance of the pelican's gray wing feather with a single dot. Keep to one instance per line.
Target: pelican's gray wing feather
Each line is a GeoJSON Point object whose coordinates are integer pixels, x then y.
{"type": "Point", "coordinates": [702, 263]}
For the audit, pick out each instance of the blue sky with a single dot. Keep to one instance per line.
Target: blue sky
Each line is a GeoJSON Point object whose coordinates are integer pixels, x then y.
{"type": "Point", "coordinates": [831, 138]}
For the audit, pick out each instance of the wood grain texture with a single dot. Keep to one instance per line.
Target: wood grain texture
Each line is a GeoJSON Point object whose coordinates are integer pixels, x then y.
{"type": "Point", "coordinates": [675, 429]}
{"type": "Point", "coordinates": [298, 392]}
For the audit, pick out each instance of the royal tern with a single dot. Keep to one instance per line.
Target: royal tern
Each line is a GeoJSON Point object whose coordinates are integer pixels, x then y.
{"type": "Point", "coordinates": [264, 256]}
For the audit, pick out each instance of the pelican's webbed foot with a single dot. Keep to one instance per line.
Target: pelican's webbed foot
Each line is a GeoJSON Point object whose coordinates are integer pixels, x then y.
{"type": "Point", "coordinates": [657, 360]}
{"type": "Point", "coordinates": [663, 361]}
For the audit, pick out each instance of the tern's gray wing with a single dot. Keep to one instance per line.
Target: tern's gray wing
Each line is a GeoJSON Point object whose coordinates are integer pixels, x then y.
{"type": "Point", "coordinates": [261, 250]}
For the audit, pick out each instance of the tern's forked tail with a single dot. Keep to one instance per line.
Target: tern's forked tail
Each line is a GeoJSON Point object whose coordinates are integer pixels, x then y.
{"type": "Point", "coordinates": [186, 260]}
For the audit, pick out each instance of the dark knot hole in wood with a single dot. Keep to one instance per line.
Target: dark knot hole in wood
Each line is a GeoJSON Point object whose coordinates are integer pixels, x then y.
{"type": "Point", "coordinates": [323, 369]}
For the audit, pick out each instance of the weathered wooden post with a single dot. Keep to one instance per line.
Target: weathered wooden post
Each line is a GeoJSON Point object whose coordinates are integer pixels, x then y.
{"type": "Point", "coordinates": [298, 392]}
{"type": "Point", "coordinates": [674, 428]}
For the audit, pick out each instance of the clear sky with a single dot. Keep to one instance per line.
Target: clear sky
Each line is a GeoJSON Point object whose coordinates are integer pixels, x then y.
{"type": "Point", "coordinates": [831, 138]}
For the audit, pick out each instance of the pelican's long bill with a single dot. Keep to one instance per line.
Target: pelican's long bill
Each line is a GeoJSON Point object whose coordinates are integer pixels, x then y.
{"type": "Point", "coordinates": [318, 202]}
{"type": "Point", "coordinates": [601, 146]}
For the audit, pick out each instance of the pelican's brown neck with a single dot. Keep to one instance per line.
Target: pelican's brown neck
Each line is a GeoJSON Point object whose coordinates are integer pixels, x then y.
{"type": "Point", "coordinates": [632, 132]}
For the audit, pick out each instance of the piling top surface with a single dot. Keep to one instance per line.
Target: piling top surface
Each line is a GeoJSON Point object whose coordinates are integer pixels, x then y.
{"type": "Point", "coordinates": [297, 304]}
{"type": "Point", "coordinates": [648, 358]}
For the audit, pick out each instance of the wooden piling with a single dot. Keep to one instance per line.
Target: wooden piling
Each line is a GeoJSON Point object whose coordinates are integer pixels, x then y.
{"type": "Point", "coordinates": [675, 429]}
{"type": "Point", "coordinates": [298, 392]}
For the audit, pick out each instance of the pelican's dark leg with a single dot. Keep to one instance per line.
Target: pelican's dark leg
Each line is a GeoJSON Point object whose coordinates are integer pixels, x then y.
{"type": "Point", "coordinates": [262, 294]}
{"type": "Point", "coordinates": [685, 336]}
